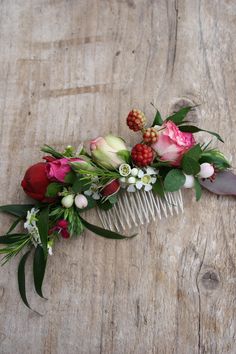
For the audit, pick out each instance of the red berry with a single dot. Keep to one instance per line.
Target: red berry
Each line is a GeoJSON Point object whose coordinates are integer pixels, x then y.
{"type": "Point", "coordinates": [150, 136]}
{"type": "Point", "coordinates": [111, 188]}
{"type": "Point", "coordinates": [136, 120]}
{"type": "Point", "coordinates": [142, 155]}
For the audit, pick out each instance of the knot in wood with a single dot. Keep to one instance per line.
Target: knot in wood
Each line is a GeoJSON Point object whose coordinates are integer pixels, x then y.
{"type": "Point", "coordinates": [210, 280]}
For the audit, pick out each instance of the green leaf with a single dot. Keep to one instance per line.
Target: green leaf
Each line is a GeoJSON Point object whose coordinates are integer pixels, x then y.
{"type": "Point", "coordinates": [39, 267]}
{"type": "Point", "coordinates": [53, 189]}
{"type": "Point", "coordinates": [124, 155]}
{"type": "Point", "coordinates": [81, 184]}
{"type": "Point", "coordinates": [157, 120]}
{"type": "Point", "coordinates": [216, 158]}
{"type": "Point", "coordinates": [174, 180]}
{"type": "Point", "coordinates": [158, 188]}
{"type": "Point", "coordinates": [12, 238]}
{"type": "Point", "coordinates": [16, 209]}
{"type": "Point", "coordinates": [49, 150]}
{"type": "Point", "coordinates": [190, 166]}
{"type": "Point", "coordinates": [104, 205]}
{"type": "Point", "coordinates": [21, 279]}
{"type": "Point", "coordinates": [198, 189]}
{"type": "Point", "coordinates": [113, 199]}
{"type": "Point", "coordinates": [193, 129]}
{"type": "Point", "coordinates": [42, 223]}
{"type": "Point", "coordinates": [14, 224]}
{"type": "Point", "coordinates": [70, 177]}
{"type": "Point", "coordinates": [179, 116]}
{"type": "Point", "coordinates": [195, 152]}
{"type": "Point", "coordinates": [104, 232]}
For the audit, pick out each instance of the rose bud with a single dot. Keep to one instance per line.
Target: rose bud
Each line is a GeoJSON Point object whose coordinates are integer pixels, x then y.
{"type": "Point", "coordinates": [172, 143]}
{"type": "Point", "coordinates": [189, 181]}
{"type": "Point", "coordinates": [82, 164]}
{"type": "Point", "coordinates": [207, 170]}
{"type": "Point", "coordinates": [67, 201]}
{"type": "Point", "coordinates": [58, 169]}
{"type": "Point", "coordinates": [111, 188]}
{"type": "Point", "coordinates": [81, 201]}
{"type": "Point", "coordinates": [35, 182]}
{"type": "Point", "coordinates": [104, 151]}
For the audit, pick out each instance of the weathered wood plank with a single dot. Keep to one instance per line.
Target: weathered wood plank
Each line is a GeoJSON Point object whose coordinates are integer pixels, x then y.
{"type": "Point", "coordinates": [71, 70]}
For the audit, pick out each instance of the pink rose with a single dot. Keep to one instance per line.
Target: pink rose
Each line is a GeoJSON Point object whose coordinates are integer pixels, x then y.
{"type": "Point", "coordinates": [58, 169]}
{"type": "Point", "coordinates": [172, 143]}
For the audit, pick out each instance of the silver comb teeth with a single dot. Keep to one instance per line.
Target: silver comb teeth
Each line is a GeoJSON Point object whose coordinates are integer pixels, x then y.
{"type": "Point", "coordinates": [135, 209]}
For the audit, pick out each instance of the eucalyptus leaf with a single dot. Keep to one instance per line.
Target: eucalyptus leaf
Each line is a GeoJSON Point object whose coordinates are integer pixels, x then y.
{"type": "Point", "coordinates": [158, 188]}
{"type": "Point", "coordinates": [193, 129]}
{"type": "Point", "coordinates": [190, 166]}
{"type": "Point", "coordinates": [39, 267]}
{"type": "Point", "coordinates": [104, 232]}
{"type": "Point", "coordinates": [174, 180]}
{"type": "Point", "coordinates": [195, 152]}
{"type": "Point", "coordinates": [70, 177]}
{"type": "Point", "coordinates": [53, 189]}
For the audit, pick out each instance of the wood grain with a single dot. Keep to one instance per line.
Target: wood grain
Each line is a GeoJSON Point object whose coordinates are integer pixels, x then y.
{"type": "Point", "coordinates": [71, 70]}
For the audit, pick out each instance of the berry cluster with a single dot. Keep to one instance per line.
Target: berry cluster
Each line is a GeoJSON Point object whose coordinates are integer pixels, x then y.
{"type": "Point", "coordinates": [142, 155]}
{"type": "Point", "coordinates": [136, 120]}
{"type": "Point", "coordinates": [150, 136]}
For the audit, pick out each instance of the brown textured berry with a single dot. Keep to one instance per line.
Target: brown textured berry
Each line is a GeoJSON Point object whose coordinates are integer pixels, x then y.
{"type": "Point", "coordinates": [150, 136]}
{"type": "Point", "coordinates": [142, 155]}
{"type": "Point", "coordinates": [136, 120]}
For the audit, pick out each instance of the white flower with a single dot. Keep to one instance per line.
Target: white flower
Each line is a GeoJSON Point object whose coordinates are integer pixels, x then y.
{"type": "Point", "coordinates": [124, 169]}
{"type": "Point", "coordinates": [93, 191]}
{"type": "Point", "coordinates": [134, 172]}
{"type": "Point", "coordinates": [31, 227]}
{"type": "Point", "coordinates": [131, 188]}
{"type": "Point", "coordinates": [144, 179]}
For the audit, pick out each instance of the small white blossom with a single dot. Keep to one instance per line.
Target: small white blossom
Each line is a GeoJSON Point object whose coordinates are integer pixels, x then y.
{"type": "Point", "coordinates": [31, 227]}
{"type": "Point", "coordinates": [93, 191]}
{"type": "Point", "coordinates": [124, 169]}
{"type": "Point", "coordinates": [145, 178]}
{"type": "Point", "coordinates": [134, 172]}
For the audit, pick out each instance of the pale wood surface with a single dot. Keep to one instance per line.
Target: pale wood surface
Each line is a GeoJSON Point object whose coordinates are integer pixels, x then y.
{"type": "Point", "coordinates": [71, 70]}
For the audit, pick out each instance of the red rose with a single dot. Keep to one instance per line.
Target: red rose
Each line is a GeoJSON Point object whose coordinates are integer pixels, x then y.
{"type": "Point", "coordinates": [35, 182]}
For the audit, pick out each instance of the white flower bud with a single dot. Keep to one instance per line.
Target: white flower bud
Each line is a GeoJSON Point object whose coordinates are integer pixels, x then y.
{"type": "Point", "coordinates": [134, 172]}
{"type": "Point", "coordinates": [131, 180]}
{"type": "Point", "coordinates": [207, 170]}
{"type": "Point", "coordinates": [67, 201]}
{"type": "Point", "coordinates": [81, 201]}
{"type": "Point", "coordinates": [189, 181]}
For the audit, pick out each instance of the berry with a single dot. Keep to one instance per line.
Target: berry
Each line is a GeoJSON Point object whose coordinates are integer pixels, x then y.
{"type": "Point", "coordinates": [150, 136]}
{"type": "Point", "coordinates": [142, 155]}
{"type": "Point", "coordinates": [136, 120]}
{"type": "Point", "coordinates": [111, 188]}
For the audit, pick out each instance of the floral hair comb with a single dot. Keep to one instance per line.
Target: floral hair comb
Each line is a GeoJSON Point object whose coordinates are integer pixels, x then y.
{"type": "Point", "coordinates": [128, 186]}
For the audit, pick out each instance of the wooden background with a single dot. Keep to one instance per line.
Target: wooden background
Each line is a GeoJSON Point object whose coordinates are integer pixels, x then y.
{"type": "Point", "coordinates": [71, 70]}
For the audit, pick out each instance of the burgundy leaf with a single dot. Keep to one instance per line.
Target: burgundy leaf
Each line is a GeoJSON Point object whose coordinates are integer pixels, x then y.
{"type": "Point", "coordinates": [224, 184]}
